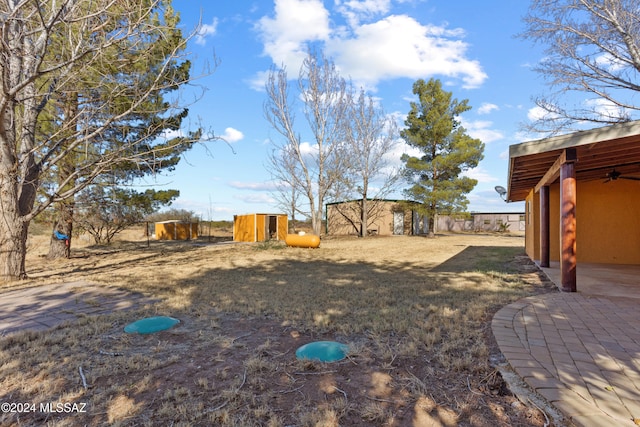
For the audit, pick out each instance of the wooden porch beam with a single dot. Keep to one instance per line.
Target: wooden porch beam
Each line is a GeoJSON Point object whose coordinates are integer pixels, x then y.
{"type": "Point", "coordinates": [544, 226]}
{"type": "Point", "coordinates": [568, 155]}
{"type": "Point", "coordinates": [568, 194]}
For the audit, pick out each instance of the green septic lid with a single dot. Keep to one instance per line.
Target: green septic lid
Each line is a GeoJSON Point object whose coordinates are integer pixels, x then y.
{"type": "Point", "coordinates": [151, 325]}
{"type": "Point", "coordinates": [324, 351]}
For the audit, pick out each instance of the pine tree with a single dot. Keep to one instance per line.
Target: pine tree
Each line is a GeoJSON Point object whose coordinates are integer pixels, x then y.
{"type": "Point", "coordinates": [432, 127]}
{"type": "Point", "coordinates": [146, 70]}
{"type": "Point", "coordinates": [107, 64]}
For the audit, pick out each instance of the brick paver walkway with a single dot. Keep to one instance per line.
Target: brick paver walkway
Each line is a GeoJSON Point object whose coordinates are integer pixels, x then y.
{"type": "Point", "coordinates": [581, 353]}
{"type": "Point", "coordinates": [43, 307]}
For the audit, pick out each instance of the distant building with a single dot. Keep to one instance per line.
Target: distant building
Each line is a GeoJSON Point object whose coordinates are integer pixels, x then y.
{"type": "Point", "coordinates": [176, 230]}
{"type": "Point", "coordinates": [512, 222]}
{"type": "Point", "coordinates": [392, 217]}
{"type": "Point", "coordinates": [385, 218]}
{"type": "Point", "coordinates": [260, 227]}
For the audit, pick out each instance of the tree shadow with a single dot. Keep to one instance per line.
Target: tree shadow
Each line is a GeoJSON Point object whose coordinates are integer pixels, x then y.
{"type": "Point", "coordinates": [416, 331]}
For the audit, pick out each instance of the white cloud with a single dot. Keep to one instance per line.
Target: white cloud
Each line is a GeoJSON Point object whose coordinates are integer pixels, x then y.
{"type": "Point", "coordinates": [206, 30]}
{"type": "Point", "coordinates": [487, 108]}
{"type": "Point", "coordinates": [480, 129]}
{"type": "Point", "coordinates": [605, 108]}
{"type": "Point", "coordinates": [258, 81]}
{"type": "Point", "coordinates": [356, 10]}
{"type": "Point", "coordinates": [537, 113]}
{"type": "Point", "coordinates": [171, 133]}
{"type": "Point", "coordinates": [490, 201]}
{"type": "Point", "coordinates": [610, 63]}
{"type": "Point", "coordinates": [295, 23]}
{"type": "Point", "coordinates": [254, 186]}
{"type": "Point", "coordinates": [258, 198]}
{"type": "Point", "coordinates": [307, 149]}
{"type": "Point", "coordinates": [231, 135]}
{"type": "Point", "coordinates": [525, 136]}
{"type": "Point", "coordinates": [480, 174]}
{"type": "Point", "coordinates": [368, 50]}
{"type": "Point", "coordinates": [399, 46]}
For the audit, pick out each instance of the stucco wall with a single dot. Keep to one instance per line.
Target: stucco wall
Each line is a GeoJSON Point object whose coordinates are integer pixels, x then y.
{"type": "Point", "coordinates": [342, 217]}
{"type": "Point", "coordinates": [607, 222]}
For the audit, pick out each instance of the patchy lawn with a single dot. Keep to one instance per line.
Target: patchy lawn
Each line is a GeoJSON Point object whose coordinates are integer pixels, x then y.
{"type": "Point", "coordinates": [415, 313]}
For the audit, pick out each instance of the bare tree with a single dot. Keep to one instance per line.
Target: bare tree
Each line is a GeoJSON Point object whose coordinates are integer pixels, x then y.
{"type": "Point", "coordinates": [86, 36]}
{"type": "Point", "coordinates": [370, 175]}
{"type": "Point", "coordinates": [285, 172]}
{"type": "Point", "coordinates": [592, 50]}
{"type": "Point", "coordinates": [318, 163]}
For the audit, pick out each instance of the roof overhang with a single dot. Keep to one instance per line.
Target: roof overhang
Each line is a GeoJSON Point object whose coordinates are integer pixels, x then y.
{"type": "Point", "coordinates": [598, 152]}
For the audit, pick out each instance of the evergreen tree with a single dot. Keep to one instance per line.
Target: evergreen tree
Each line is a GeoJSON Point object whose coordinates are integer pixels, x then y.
{"type": "Point", "coordinates": [83, 96]}
{"type": "Point", "coordinates": [437, 186]}
{"type": "Point", "coordinates": [147, 70]}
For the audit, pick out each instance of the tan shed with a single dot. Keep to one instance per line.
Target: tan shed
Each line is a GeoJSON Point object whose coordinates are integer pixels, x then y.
{"type": "Point", "coordinates": [176, 230]}
{"type": "Point", "coordinates": [260, 227]}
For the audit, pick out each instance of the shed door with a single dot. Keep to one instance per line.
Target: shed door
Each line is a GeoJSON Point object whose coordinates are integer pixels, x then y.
{"type": "Point", "coordinates": [272, 228]}
{"type": "Point", "coordinates": [398, 223]}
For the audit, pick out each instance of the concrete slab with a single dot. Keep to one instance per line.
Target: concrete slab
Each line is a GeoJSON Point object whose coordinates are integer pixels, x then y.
{"type": "Point", "coordinates": [44, 307]}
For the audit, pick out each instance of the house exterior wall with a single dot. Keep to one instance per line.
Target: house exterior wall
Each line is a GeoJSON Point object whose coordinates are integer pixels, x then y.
{"type": "Point", "coordinates": [342, 218]}
{"type": "Point", "coordinates": [455, 224]}
{"type": "Point", "coordinates": [607, 222]}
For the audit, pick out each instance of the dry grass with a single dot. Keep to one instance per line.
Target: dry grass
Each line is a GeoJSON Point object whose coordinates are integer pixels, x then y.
{"type": "Point", "coordinates": [414, 311]}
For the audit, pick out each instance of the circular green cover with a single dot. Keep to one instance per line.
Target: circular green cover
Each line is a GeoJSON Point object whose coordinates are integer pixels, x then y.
{"type": "Point", "coordinates": [324, 351]}
{"type": "Point", "coordinates": [151, 325]}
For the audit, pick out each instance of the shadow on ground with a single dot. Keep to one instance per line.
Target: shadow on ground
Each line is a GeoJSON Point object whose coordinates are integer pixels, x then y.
{"type": "Point", "coordinates": [418, 334]}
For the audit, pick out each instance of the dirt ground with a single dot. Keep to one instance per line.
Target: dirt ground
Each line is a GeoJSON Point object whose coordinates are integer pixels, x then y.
{"type": "Point", "coordinates": [231, 361]}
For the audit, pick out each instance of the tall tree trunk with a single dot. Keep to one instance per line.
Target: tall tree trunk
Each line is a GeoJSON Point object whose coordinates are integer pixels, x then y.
{"type": "Point", "coordinates": [432, 221]}
{"type": "Point", "coordinates": [60, 247]}
{"type": "Point", "coordinates": [316, 221]}
{"type": "Point", "coordinates": [63, 217]}
{"type": "Point", "coordinates": [363, 217]}
{"type": "Point", "coordinates": [13, 236]}
{"type": "Point", "coordinates": [19, 174]}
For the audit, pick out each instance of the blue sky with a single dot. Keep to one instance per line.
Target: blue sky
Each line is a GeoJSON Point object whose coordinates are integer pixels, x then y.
{"type": "Point", "coordinates": [382, 45]}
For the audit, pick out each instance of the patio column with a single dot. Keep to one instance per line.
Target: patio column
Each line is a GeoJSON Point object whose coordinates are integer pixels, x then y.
{"type": "Point", "coordinates": [544, 226]}
{"type": "Point", "coordinates": [568, 226]}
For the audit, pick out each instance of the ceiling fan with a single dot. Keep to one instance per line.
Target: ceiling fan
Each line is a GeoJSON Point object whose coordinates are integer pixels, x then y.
{"type": "Point", "coordinates": [615, 175]}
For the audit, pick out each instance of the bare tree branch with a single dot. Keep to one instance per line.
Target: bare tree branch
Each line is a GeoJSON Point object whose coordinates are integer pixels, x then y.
{"type": "Point", "coordinates": [317, 163]}
{"type": "Point", "coordinates": [51, 52]}
{"type": "Point", "coordinates": [592, 62]}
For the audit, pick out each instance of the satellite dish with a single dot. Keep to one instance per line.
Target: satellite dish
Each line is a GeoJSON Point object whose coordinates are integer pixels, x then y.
{"type": "Point", "coordinates": [501, 191]}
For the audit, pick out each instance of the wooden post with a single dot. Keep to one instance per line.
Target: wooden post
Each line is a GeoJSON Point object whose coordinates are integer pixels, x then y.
{"type": "Point", "coordinates": [568, 226]}
{"type": "Point", "coordinates": [544, 226]}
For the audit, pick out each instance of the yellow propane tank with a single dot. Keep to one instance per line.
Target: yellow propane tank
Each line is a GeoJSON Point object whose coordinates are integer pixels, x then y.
{"type": "Point", "coordinates": [302, 240]}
